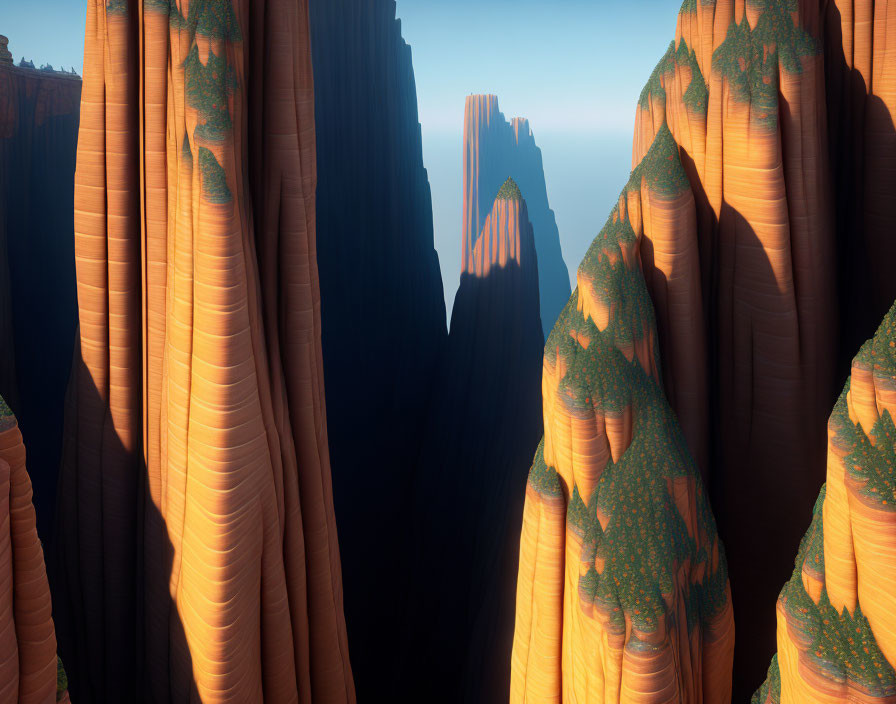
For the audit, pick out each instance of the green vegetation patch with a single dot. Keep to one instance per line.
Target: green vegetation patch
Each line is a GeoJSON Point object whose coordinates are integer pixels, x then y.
{"type": "Point", "coordinates": [696, 97]}
{"type": "Point", "coordinates": [646, 538]}
{"type": "Point", "coordinates": [770, 691]}
{"type": "Point", "coordinates": [214, 180]}
{"type": "Point", "coordinates": [209, 87]}
{"type": "Point", "coordinates": [688, 7]}
{"type": "Point", "coordinates": [842, 647]}
{"type": "Point", "coordinates": [61, 679]}
{"type": "Point", "coordinates": [509, 191]}
{"type": "Point", "coordinates": [661, 167]}
{"type": "Point", "coordinates": [7, 418]}
{"type": "Point", "coordinates": [654, 85]}
{"type": "Point", "coordinates": [117, 7]}
{"type": "Point", "coordinates": [544, 479]}
{"type": "Point", "coordinates": [750, 59]}
{"type": "Point", "coordinates": [186, 150]}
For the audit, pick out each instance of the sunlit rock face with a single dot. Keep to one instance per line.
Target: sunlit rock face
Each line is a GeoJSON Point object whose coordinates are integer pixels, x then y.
{"type": "Point", "coordinates": [623, 592]}
{"type": "Point", "coordinates": [776, 256]}
{"type": "Point", "coordinates": [494, 150]}
{"type": "Point", "coordinates": [195, 551]}
{"type": "Point", "coordinates": [38, 312]}
{"type": "Point", "coordinates": [29, 668]}
{"type": "Point", "coordinates": [468, 500]}
{"type": "Point", "coordinates": [383, 307]}
{"type": "Point", "coordinates": [837, 614]}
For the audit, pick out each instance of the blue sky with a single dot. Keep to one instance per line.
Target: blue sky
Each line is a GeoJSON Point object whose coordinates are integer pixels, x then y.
{"type": "Point", "coordinates": [575, 68]}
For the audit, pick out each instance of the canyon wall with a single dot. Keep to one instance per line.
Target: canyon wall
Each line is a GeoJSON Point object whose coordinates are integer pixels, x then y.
{"type": "Point", "coordinates": [383, 307]}
{"type": "Point", "coordinates": [837, 614]}
{"type": "Point", "coordinates": [776, 261]}
{"type": "Point", "coordinates": [195, 547]}
{"type": "Point", "coordinates": [467, 506]}
{"type": "Point", "coordinates": [495, 150]}
{"type": "Point", "coordinates": [623, 587]}
{"type": "Point", "coordinates": [38, 312]}
{"type": "Point", "coordinates": [30, 671]}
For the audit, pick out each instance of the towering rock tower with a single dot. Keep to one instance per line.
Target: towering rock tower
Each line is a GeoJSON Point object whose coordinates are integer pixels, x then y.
{"type": "Point", "coordinates": [485, 424]}
{"type": "Point", "coordinates": [383, 306]}
{"type": "Point", "coordinates": [195, 489]}
{"type": "Point", "coordinates": [623, 586]}
{"type": "Point", "coordinates": [38, 312]}
{"type": "Point", "coordinates": [837, 614]}
{"type": "Point", "coordinates": [28, 661]}
{"type": "Point", "coordinates": [494, 148]}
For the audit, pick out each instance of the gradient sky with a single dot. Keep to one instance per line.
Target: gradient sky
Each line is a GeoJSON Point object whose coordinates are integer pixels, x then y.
{"type": "Point", "coordinates": [575, 68]}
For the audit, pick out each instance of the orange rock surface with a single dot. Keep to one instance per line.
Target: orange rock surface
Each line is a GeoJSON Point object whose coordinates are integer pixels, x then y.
{"type": "Point", "coordinates": [28, 664]}
{"type": "Point", "coordinates": [776, 258]}
{"type": "Point", "coordinates": [195, 490]}
{"type": "Point", "coordinates": [623, 592]}
{"type": "Point", "coordinates": [837, 615]}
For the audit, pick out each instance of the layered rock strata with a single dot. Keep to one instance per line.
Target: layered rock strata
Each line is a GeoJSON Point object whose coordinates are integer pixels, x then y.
{"type": "Point", "coordinates": [494, 149]}
{"type": "Point", "coordinates": [195, 552]}
{"type": "Point", "coordinates": [837, 614]}
{"type": "Point", "coordinates": [623, 588]}
{"type": "Point", "coordinates": [29, 668]}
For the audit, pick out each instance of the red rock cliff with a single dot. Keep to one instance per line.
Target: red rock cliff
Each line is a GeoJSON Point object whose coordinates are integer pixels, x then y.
{"type": "Point", "coordinates": [195, 488]}
{"type": "Point", "coordinates": [837, 614]}
{"type": "Point", "coordinates": [28, 663]}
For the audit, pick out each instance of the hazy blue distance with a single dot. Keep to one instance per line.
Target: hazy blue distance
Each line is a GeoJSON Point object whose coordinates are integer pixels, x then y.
{"type": "Point", "coordinates": [575, 68]}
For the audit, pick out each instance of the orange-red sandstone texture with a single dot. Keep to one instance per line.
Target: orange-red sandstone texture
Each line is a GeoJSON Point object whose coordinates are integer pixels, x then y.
{"type": "Point", "coordinates": [195, 487]}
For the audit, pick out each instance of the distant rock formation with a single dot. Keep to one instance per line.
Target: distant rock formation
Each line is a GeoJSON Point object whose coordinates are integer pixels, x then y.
{"type": "Point", "coordinates": [29, 668]}
{"type": "Point", "coordinates": [196, 556]}
{"type": "Point", "coordinates": [383, 307]}
{"type": "Point", "coordinates": [837, 614]}
{"type": "Point", "coordinates": [623, 587]}
{"type": "Point", "coordinates": [467, 507]}
{"type": "Point", "coordinates": [5, 55]}
{"type": "Point", "coordinates": [38, 312]}
{"type": "Point", "coordinates": [493, 150]}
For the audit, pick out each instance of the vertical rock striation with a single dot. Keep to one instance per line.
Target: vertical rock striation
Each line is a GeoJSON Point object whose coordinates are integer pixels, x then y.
{"type": "Point", "coordinates": [623, 589]}
{"type": "Point", "coordinates": [195, 488]}
{"type": "Point", "coordinates": [466, 516]}
{"type": "Point", "coordinates": [28, 662]}
{"type": "Point", "coordinates": [777, 251]}
{"type": "Point", "coordinates": [38, 311]}
{"type": "Point", "coordinates": [493, 150]}
{"type": "Point", "coordinates": [383, 306]}
{"type": "Point", "coordinates": [837, 614]}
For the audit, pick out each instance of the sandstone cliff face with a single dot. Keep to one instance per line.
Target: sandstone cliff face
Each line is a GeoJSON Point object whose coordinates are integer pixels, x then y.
{"type": "Point", "coordinates": [195, 487]}
{"type": "Point", "coordinates": [756, 276]}
{"type": "Point", "coordinates": [38, 313]}
{"type": "Point", "coordinates": [494, 149]}
{"type": "Point", "coordinates": [28, 662]}
{"type": "Point", "coordinates": [467, 506]}
{"type": "Point", "coordinates": [383, 306]}
{"type": "Point", "coordinates": [623, 587]}
{"type": "Point", "coordinates": [837, 615]}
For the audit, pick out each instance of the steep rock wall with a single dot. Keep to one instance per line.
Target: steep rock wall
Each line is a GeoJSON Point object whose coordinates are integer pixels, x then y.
{"type": "Point", "coordinates": [467, 508]}
{"type": "Point", "coordinates": [495, 150]}
{"type": "Point", "coordinates": [195, 551]}
{"type": "Point", "coordinates": [29, 668]}
{"type": "Point", "coordinates": [623, 589]}
{"type": "Point", "coordinates": [38, 310]}
{"type": "Point", "coordinates": [837, 614]}
{"type": "Point", "coordinates": [383, 306]}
